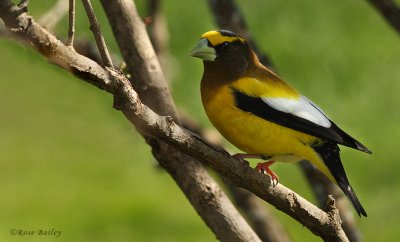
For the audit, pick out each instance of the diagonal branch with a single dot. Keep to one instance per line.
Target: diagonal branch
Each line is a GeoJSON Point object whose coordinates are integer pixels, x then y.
{"type": "Point", "coordinates": [266, 226]}
{"type": "Point", "coordinates": [324, 224]}
{"type": "Point", "coordinates": [95, 28]}
{"type": "Point", "coordinates": [262, 219]}
{"type": "Point", "coordinates": [218, 213]}
{"type": "Point", "coordinates": [389, 10]}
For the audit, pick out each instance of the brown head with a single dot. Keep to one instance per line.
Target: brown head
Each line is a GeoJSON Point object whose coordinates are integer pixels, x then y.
{"type": "Point", "coordinates": [226, 55]}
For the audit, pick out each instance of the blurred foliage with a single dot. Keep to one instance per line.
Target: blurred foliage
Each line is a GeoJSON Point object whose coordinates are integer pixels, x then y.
{"type": "Point", "coordinates": [70, 162]}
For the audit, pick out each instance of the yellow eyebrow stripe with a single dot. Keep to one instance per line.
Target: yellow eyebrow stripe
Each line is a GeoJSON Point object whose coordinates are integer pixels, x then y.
{"type": "Point", "coordinates": [216, 38]}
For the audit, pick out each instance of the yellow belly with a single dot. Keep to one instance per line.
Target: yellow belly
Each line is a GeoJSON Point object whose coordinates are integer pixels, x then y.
{"type": "Point", "coordinates": [255, 135]}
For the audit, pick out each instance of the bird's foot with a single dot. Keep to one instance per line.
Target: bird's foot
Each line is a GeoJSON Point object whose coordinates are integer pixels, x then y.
{"type": "Point", "coordinates": [264, 169]}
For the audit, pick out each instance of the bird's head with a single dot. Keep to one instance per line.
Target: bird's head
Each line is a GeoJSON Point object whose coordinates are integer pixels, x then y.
{"type": "Point", "coordinates": [224, 50]}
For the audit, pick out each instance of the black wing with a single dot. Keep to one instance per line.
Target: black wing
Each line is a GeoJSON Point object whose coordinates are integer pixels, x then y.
{"type": "Point", "coordinates": [261, 109]}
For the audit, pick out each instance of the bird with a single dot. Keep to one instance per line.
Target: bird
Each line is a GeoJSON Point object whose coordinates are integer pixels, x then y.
{"type": "Point", "coordinates": [265, 117]}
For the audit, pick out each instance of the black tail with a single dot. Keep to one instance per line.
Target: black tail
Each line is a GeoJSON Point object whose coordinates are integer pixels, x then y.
{"type": "Point", "coordinates": [329, 152]}
{"type": "Point", "coordinates": [349, 141]}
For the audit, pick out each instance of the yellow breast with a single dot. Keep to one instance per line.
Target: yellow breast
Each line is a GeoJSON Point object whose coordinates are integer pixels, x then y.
{"type": "Point", "coordinates": [249, 132]}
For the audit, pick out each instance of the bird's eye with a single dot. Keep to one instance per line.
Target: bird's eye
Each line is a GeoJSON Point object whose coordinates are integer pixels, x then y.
{"type": "Point", "coordinates": [225, 45]}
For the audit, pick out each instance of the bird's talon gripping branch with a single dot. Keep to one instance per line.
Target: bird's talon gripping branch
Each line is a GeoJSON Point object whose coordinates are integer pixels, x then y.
{"type": "Point", "coordinates": [264, 169]}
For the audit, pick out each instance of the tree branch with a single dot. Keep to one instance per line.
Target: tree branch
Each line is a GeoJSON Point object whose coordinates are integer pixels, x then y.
{"type": "Point", "coordinates": [71, 24]}
{"type": "Point", "coordinates": [266, 226]}
{"type": "Point", "coordinates": [389, 10]}
{"type": "Point", "coordinates": [141, 61]}
{"type": "Point", "coordinates": [264, 223]}
{"type": "Point", "coordinates": [262, 220]}
{"type": "Point", "coordinates": [324, 224]}
{"type": "Point", "coordinates": [95, 28]}
{"type": "Point", "coordinates": [220, 215]}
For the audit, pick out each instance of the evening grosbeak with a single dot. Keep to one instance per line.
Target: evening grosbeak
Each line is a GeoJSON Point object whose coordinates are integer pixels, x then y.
{"type": "Point", "coordinates": [264, 116]}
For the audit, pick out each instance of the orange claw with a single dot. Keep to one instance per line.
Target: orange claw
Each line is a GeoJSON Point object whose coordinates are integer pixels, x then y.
{"type": "Point", "coordinates": [264, 169]}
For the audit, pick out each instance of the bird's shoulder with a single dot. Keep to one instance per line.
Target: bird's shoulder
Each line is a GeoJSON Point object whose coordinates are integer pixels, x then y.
{"type": "Point", "coordinates": [262, 82]}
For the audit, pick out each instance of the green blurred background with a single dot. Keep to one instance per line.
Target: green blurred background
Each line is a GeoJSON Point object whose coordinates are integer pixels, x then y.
{"type": "Point", "coordinates": [69, 161]}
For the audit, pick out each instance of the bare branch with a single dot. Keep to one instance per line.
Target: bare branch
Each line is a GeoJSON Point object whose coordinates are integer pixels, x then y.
{"type": "Point", "coordinates": [53, 16]}
{"type": "Point", "coordinates": [389, 10]}
{"type": "Point", "coordinates": [262, 220]}
{"type": "Point", "coordinates": [95, 28]}
{"type": "Point", "coordinates": [71, 26]}
{"type": "Point", "coordinates": [324, 224]}
{"type": "Point", "coordinates": [238, 172]}
{"type": "Point", "coordinates": [264, 223]}
{"type": "Point", "coordinates": [135, 47]}
{"type": "Point", "coordinates": [220, 215]}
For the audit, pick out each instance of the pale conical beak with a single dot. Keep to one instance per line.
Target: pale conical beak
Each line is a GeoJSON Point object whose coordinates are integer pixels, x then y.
{"type": "Point", "coordinates": [203, 51]}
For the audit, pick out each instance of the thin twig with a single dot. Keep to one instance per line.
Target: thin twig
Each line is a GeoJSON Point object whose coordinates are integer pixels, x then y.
{"type": "Point", "coordinates": [95, 28]}
{"type": "Point", "coordinates": [135, 46]}
{"type": "Point", "coordinates": [71, 26]}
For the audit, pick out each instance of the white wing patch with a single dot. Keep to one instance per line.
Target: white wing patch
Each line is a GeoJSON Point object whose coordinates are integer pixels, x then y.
{"type": "Point", "coordinates": [302, 108]}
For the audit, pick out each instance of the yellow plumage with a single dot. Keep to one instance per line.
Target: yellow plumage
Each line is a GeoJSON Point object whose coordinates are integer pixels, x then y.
{"type": "Point", "coordinates": [253, 134]}
{"type": "Point", "coordinates": [264, 116]}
